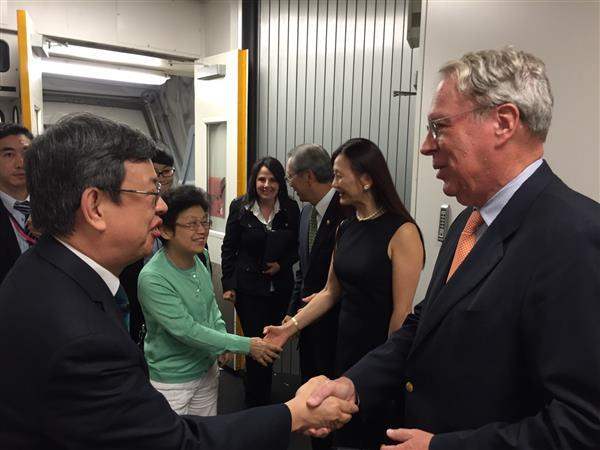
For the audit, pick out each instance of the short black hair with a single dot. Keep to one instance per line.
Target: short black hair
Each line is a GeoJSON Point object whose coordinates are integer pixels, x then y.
{"type": "Point", "coordinates": [162, 157]}
{"type": "Point", "coordinates": [278, 172]}
{"type": "Point", "coordinates": [180, 199]}
{"type": "Point", "coordinates": [80, 151]}
{"type": "Point", "coordinates": [14, 129]}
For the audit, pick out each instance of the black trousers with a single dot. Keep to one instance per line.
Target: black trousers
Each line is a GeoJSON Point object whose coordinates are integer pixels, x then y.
{"type": "Point", "coordinates": [317, 357]}
{"type": "Point", "coordinates": [256, 312]}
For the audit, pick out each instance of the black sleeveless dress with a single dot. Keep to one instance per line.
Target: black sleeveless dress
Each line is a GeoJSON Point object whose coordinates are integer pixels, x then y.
{"type": "Point", "coordinates": [364, 270]}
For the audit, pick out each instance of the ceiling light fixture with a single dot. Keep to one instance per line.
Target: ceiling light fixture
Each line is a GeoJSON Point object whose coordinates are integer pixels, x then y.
{"type": "Point", "coordinates": [98, 72]}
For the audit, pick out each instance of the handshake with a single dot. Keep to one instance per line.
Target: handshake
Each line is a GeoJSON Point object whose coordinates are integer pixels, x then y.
{"type": "Point", "coordinates": [321, 405]}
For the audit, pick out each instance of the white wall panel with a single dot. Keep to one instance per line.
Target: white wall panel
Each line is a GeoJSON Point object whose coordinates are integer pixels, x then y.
{"type": "Point", "coordinates": [327, 70]}
{"type": "Point", "coordinates": [166, 26]}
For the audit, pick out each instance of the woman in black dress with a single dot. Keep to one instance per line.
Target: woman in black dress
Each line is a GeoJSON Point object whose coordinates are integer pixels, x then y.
{"type": "Point", "coordinates": [257, 255]}
{"type": "Point", "coordinates": [375, 270]}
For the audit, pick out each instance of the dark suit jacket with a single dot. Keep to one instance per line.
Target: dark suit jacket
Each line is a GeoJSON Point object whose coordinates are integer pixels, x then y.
{"type": "Point", "coordinates": [9, 246]}
{"type": "Point", "coordinates": [245, 244]}
{"type": "Point", "coordinates": [66, 351]}
{"type": "Point", "coordinates": [506, 354]}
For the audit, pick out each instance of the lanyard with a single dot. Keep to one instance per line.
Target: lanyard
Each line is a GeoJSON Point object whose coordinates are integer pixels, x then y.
{"type": "Point", "coordinates": [22, 231]}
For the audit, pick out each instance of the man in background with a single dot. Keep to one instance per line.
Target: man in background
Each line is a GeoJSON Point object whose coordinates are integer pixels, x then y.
{"type": "Point", "coordinates": [309, 173]}
{"type": "Point", "coordinates": [15, 235]}
{"type": "Point", "coordinates": [74, 378]}
{"type": "Point", "coordinates": [504, 351]}
{"type": "Point", "coordinates": [163, 166]}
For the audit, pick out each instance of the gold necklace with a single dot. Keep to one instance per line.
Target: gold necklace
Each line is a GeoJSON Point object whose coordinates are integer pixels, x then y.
{"type": "Point", "coordinates": [370, 216]}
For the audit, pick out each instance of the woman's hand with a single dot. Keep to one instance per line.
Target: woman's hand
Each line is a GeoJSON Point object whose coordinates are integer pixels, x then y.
{"type": "Point", "coordinates": [279, 335]}
{"type": "Point", "coordinates": [272, 268]}
{"type": "Point", "coordinates": [229, 296]}
{"type": "Point", "coordinates": [264, 352]}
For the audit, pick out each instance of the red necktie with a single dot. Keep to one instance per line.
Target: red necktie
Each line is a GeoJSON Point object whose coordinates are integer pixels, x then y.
{"type": "Point", "coordinates": [466, 242]}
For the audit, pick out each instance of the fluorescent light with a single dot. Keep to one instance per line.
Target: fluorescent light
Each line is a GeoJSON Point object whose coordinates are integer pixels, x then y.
{"type": "Point", "coordinates": [98, 72]}
{"type": "Point", "coordinates": [95, 54]}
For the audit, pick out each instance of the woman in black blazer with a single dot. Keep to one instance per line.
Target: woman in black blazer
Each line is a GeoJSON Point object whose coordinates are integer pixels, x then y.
{"type": "Point", "coordinates": [258, 252]}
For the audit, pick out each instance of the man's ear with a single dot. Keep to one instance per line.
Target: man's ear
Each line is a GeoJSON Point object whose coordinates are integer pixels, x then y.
{"type": "Point", "coordinates": [93, 202]}
{"type": "Point", "coordinates": [508, 118]}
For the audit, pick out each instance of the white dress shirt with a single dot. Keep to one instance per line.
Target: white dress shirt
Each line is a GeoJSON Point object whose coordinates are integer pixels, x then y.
{"type": "Point", "coordinates": [9, 204]}
{"type": "Point", "coordinates": [494, 205]}
{"type": "Point", "coordinates": [268, 221]}
{"type": "Point", "coordinates": [109, 278]}
{"type": "Point", "coordinates": [322, 206]}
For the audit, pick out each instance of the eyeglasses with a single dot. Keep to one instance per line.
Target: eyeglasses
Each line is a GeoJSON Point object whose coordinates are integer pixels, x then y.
{"type": "Point", "coordinates": [433, 126]}
{"type": "Point", "coordinates": [166, 172]}
{"type": "Point", "coordinates": [156, 193]}
{"type": "Point", "coordinates": [195, 226]}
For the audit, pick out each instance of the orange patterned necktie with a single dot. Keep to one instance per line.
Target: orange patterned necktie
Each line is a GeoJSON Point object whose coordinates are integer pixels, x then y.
{"type": "Point", "coordinates": [466, 241]}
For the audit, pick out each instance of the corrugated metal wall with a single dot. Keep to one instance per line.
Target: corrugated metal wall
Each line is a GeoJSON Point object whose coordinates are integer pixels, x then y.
{"type": "Point", "coordinates": [327, 71]}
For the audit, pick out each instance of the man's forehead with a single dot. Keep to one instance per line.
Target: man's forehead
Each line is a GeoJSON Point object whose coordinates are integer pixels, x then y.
{"type": "Point", "coordinates": [14, 141]}
{"type": "Point", "coordinates": [447, 98]}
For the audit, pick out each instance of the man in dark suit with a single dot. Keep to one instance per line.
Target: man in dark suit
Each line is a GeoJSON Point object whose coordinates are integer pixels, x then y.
{"type": "Point", "coordinates": [310, 174]}
{"type": "Point", "coordinates": [504, 351]}
{"type": "Point", "coordinates": [73, 378]}
{"type": "Point", "coordinates": [15, 237]}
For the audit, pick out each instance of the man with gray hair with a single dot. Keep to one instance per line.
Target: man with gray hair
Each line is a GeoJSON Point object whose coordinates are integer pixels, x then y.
{"type": "Point", "coordinates": [309, 173]}
{"type": "Point", "coordinates": [504, 351]}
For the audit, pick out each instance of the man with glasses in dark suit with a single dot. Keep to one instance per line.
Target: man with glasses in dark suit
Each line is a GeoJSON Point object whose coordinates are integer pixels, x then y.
{"type": "Point", "coordinates": [73, 377]}
{"type": "Point", "coordinates": [504, 351]}
{"type": "Point", "coordinates": [309, 173]}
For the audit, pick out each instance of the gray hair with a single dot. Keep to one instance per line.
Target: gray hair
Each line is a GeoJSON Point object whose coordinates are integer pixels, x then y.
{"type": "Point", "coordinates": [312, 157]}
{"type": "Point", "coordinates": [508, 75]}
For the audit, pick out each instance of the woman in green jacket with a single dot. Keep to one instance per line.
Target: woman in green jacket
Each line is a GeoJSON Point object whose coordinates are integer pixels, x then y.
{"type": "Point", "coordinates": [185, 332]}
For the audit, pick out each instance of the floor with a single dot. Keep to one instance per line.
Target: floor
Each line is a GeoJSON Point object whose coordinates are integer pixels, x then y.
{"type": "Point", "coordinates": [231, 398]}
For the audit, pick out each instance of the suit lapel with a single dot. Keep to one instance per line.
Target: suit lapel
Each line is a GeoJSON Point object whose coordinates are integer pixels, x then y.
{"type": "Point", "coordinates": [327, 222]}
{"type": "Point", "coordinates": [486, 254]}
{"type": "Point", "coordinates": [303, 236]}
{"type": "Point", "coordinates": [82, 274]}
{"type": "Point", "coordinates": [12, 245]}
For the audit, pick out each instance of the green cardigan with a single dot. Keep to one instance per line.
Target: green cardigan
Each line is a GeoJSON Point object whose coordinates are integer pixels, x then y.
{"type": "Point", "coordinates": [185, 331]}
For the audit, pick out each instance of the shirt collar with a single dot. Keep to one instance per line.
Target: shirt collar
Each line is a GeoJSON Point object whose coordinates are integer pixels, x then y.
{"type": "Point", "coordinates": [494, 205]}
{"type": "Point", "coordinates": [323, 204]}
{"type": "Point", "coordinates": [111, 280]}
{"type": "Point", "coordinates": [255, 209]}
{"type": "Point", "coordinates": [9, 201]}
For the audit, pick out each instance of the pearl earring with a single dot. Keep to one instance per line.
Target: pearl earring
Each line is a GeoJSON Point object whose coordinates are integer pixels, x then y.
{"type": "Point", "coordinates": [366, 187]}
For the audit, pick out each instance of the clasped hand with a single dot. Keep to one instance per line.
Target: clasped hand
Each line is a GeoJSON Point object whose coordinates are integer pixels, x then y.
{"type": "Point", "coordinates": [264, 352]}
{"type": "Point", "coordinates": [318, 420]}
{"type": "Point", "coordinates": [343, 388]}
